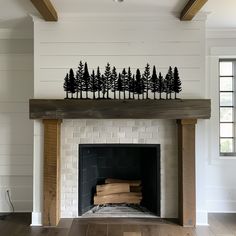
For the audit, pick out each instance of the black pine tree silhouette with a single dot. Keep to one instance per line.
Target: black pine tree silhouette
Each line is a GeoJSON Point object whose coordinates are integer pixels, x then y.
{"type": "Point", "coordinates": [146, 79]}
{"type": "Point", "coordinates": [176, 82]}
{"type": "Point", "coordinates": [72, 83]}
{"type": "Point", "coordinates": [86, 80]}
{"type": "Point", "coordinates": [119, 85]}
{"type": "Point", "coordinates": [66, 85]}
{"type": "Point", "coordinates": [104, 87]}
{"type": "Point", "coordinates": [143, 87]}
{"type": "Point", "coordinates": [124, 81]}
{"type": "Point", "coordinates": [167, 85]}
{"type": "Point", "coordinates": [99, 82]}
{"type": "Point", "coordinates": [114, 80]}
{"type": "Point", "coordinates": [94, 84]}
{"type": "Point", "coordinates": [133, 86]}
{"type": "Point", "coordinates": [129, 82]}
{"type": "Point", "coordinates": [138, 84]}
{"type": "Point", "coordinates": [171, 81]}
{"type": "Point", "coordinates": [108, 79]}
{"type": "Point", "coordinates": [160, 85]}
{"type": "Point", "coordinates": [154, 82]}
{"type": "Point", "coordinates": [79, 80]}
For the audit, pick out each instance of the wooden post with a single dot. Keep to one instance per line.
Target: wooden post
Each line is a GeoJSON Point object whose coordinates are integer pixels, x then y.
{"type": "Point", "coordinates": [51, 204]}
{"type": "Point", "coordinates": [186, 153]}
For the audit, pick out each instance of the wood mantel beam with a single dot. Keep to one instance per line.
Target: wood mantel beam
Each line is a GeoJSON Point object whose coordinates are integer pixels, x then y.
{"type": "Point", "coordinates": [46, 9]}
{"type": "Point", "coordinates": [191, 9]}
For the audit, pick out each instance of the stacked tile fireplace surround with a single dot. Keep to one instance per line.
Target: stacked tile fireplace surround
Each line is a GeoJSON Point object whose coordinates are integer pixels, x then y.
{"type": "Point", "coordinates": [132, 122]}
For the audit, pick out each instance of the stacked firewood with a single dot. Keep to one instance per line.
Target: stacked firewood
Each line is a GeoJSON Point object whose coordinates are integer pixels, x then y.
{"type": "Point", "coordinates": [116, 191]}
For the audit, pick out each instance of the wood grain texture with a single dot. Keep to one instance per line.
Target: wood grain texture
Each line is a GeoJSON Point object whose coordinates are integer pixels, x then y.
{"type": "Point", "coordinates": [51, 204]}
{"type": "Point", "coordinates": [186, 154]}
{"type": "Point", "coordinates": [46, 9]}
{"type": "Point", "coordinates": [191, 9]}
{"type": "Point", "coordinates": [120, 109]}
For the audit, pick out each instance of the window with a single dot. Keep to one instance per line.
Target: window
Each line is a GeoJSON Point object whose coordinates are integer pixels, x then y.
{"type": "Point", "coordinates": [227, 105]}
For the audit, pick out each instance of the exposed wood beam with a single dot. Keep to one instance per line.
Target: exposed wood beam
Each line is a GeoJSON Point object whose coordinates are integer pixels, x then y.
{"type": "Point", "coordinates": [191, 9]}
{"type": "Point", "coordinates": [46, 9]}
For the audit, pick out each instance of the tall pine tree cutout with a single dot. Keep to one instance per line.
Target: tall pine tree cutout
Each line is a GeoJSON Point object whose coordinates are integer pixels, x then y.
{"type": "Point", "coordinates": [86, 80]}
{"type": "Point", "coordinates": [79, 80]}
{"type": "Point", "coordinates": [124, 81]}
{"type": "Point", "coordinates": [99, 82]}
{"type": "Point", "coordinates": [104, 87]}
{"type": "Point", "coordinates": [138, 86]}
{"type": "Point", "coordinates": [129, 82]}
{"type": "Point", "coordinates": [108, 79]}
{"type": "Point", "coordinates": [154, 82]}
{"type": "Point", "coordinates": [114, 80]}
{"type": "Point", "coordinates": [133, 86]}
{"type": "Point", "coordinates": [72, 83]}
{"type": "Point", "coordinates": [66, 86]}
{"type": "Point", "coordinates": [176, 83]}
{"type": "Point", "coordinates": [146, 80]}
{"type": "Point", "coordinates": [160, 85]}
{"type": "Point", "coordinates": [171, 81]}
{"type": "Point", "coordinates": [94, 84]}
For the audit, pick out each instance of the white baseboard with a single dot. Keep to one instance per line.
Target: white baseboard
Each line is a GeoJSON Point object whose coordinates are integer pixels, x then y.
{"type": "Point", "coordinates": [202, 218]}
{"type": "Point", "coordinates": [36, 219]}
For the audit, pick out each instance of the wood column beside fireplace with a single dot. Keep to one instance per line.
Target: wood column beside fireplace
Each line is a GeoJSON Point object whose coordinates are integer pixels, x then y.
{"type": "Point", "coordinates": [51, 176]}
{"type": "Point", "coordinates": [186, 172]}
{"type": "Point", "coordinates": [186, 112]}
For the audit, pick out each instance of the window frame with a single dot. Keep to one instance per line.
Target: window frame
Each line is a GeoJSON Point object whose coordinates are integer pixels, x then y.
{"type": "Point", "coordinates": [233, 106]}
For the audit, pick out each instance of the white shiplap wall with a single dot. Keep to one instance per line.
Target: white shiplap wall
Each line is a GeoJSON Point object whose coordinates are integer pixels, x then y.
{"type": "Point", "coordinates": [16, 130]}
{"type": "Point", "coordinates": [123, 41]}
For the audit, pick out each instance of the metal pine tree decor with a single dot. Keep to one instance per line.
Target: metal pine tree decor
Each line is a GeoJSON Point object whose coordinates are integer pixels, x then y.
{"type": "Point", "coordinates": [123, 85]}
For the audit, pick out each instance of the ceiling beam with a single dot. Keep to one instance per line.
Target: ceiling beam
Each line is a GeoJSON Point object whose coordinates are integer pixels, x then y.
{"type": "Point", "coordinates": [191, 9]}
{"type": "Point", "coordinates": [46, 9]}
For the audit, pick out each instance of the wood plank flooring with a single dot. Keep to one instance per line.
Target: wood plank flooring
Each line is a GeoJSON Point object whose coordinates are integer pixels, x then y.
{"type": "Point", "coordinates": [18, 225]}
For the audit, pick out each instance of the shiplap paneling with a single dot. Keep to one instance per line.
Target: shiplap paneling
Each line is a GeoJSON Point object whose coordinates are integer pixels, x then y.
{"type": "Point", "coordinates": [122, 41]}
{"type": "Point", "coordinates": [16, 130]}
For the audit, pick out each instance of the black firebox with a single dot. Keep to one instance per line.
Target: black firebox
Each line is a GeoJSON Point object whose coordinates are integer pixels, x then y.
{"type": "Point", "coordinates": [119, 161]}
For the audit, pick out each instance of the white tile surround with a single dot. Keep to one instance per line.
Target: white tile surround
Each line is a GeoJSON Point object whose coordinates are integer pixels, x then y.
{"type": "Point", "coordinates": [75, 132]}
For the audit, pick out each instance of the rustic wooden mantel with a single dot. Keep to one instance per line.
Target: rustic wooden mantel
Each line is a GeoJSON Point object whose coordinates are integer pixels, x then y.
{"type": "Point", "coordinates": [186, 112]}
{"type": "Point", "coordinates": [119, 109]}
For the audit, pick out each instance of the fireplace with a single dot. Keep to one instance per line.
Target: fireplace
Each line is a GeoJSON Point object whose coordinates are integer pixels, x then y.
{"type": "Point", "coordinates": [98, 162]}
{"type": "Point", "coordinates": [186, 112]}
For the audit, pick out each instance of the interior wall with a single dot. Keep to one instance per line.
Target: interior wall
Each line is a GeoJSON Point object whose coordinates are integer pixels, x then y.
{"type": "Point", "coordinates": [122, 40]}
{"type": "Point", "coordinates": [16, 130]}
{"type": "Point", "coordinates": [221, 175]}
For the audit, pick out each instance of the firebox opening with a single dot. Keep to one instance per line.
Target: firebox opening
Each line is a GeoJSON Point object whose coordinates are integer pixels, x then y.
{"type": "Point", "coordinates": [98, 162]}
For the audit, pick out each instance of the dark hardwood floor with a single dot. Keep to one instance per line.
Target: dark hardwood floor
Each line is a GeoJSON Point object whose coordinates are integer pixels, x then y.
{"type": "Point", "coordinates": [18, 225]}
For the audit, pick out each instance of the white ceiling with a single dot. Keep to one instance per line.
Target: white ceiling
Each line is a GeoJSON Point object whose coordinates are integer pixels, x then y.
{"type": "Point", "coordinates": [14, 12]}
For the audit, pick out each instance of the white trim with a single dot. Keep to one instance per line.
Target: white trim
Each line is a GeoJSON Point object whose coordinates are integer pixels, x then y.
{"type": "Point", "coordinates": [202, 218]}
{"type": "Point", "coordinates": [36, 219]}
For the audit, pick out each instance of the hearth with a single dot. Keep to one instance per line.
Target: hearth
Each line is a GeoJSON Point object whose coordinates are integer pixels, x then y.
{"type": "Point", "coordinates": [98, 162]}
